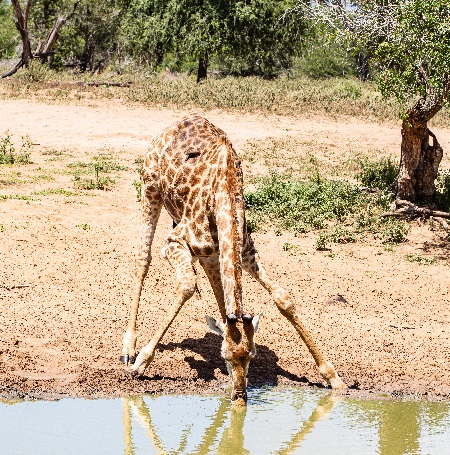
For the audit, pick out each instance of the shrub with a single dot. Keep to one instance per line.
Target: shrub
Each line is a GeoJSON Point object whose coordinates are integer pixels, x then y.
{"type": "Point", "coordinates": [99, 166]}
{"type": "Point", "coordinates": [338, 209]}
{"type": "Point", "coordinates": [443, 191]}
{"type": "Point", "coordinates": [377, 174]}
{"type": "Point", "coordinates": [8, 153]}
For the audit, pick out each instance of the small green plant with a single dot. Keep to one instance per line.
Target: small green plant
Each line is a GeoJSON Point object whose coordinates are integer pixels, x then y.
{"type": "Point", "coordinates": [287, 246]}
{"type": "Point", "coordinates": [53, 191]}
{"type": "Point", "coordinates": [139, 162]}
{"type": "Point", "coordinates": [53, 152]}
{"type": "Point", "coordinates": [394, 231]}
{"type": "Point", "coordinates": [293, 249]}
{"type": "Point", "coordinates": [419, 259]}
{"type": "Point", "coordinates": [84, 226]}
{"type": "Point", "coordinates": [20, 197]}
{"type": "Point", "coordinates": [138, 187]}
{"type": "Point", "coordinates": [377, 174]}
{"type": "Point", "coordinates": [8, 153]}
{"type": "Point", "coordinates": [322, 241]}
{"type": "Point", "coordinates": [99, 166]}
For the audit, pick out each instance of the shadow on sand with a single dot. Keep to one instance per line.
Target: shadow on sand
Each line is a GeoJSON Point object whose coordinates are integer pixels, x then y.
{"type": "Point", "coordinates": [264, 368]}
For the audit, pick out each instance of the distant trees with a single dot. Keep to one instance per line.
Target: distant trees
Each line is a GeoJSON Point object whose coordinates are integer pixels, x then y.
{"type": "Point", "coordinates": [247, 37]}
{"type": "Point", "coordinates": [240, 37]}
{"type": "Point", "coordinates": [409, 41]}
{"type": "Point", "coordinates": [44, 50]}
{"type": "Point", "coordinates": [8, 32]}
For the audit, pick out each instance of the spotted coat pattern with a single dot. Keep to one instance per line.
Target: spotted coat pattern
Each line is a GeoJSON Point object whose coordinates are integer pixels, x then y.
{"type": "Point", "coordinates": [193, 171]}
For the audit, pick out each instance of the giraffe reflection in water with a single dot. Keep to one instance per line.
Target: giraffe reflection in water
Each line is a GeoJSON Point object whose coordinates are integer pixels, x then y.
{"type": "Point", "coordinates": [359, 426]}
{"type": "Point", "coordinates": [231, 440]}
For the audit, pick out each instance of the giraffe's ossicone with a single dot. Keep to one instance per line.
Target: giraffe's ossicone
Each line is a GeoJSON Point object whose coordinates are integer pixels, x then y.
{"type": "Point", "coordinates": [192, 170]}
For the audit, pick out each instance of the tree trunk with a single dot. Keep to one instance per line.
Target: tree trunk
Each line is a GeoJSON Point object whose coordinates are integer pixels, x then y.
{"type": "Point", "coordinates": [202, 72]}
{"type": "Point", "coordinates": [362, 66]}
{"type": "Point", "coordinates": [419, 162]}
{"type": "Point", "coordinates": [49, 46]}
{"type": "Point", "coordinates": [21, 22]}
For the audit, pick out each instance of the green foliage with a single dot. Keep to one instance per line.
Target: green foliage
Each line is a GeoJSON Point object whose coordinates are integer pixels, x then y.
{"type": "Point", "coordinates": [303, 205]}
{"type": "Point", "coordinates": [52, 191]}
{"type": "Point", "coordinates": [443, 191]}
{"type": "Point", "coordinates": [99, 166]}
{"type": "Point", "coordinates": [419, 259]}
{"type": "Point", "coordinates": [138, 183]}
{"type": "Point", "coordinates": [19, 197]}
{"type": "Point", "coordinates": [338, 209]}
{"type": "Point", "coordinates": [35, 72]}
{"type": "Point", "coordinates": [379, 174]}
{"type": "Point", "coordinates": [8, 31]}
{"type": "Point", "coordinates": [245, 37]}
{"type": "Point", "coordinates": [415, 55]}
{"type": "Point", "coordinates": [395, 231]}
{"type": "Point", "coordinates": [8, 153]}
{"type": "Point", "coordinates": [88, 39]}
{"type": "Point", "coordinates": [321, 58]}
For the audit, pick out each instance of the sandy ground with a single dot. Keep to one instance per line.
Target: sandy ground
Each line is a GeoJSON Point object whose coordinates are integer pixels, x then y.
{"type": "Point", "coordinates": [61, 334]}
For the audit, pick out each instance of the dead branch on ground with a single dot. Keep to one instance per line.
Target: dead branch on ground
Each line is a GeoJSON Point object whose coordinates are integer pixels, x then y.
{"type": "Point", "coordinates": [405, 208]}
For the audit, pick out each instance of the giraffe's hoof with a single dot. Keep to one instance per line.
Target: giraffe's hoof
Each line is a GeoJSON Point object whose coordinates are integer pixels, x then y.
{"type": "Point", "coordinates": [134, 373]}
{"type": "Point", "coordinates": [127, 359]}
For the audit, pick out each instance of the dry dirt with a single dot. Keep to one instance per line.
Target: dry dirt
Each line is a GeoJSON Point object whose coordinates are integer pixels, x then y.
{"type": "Point", "coordinates": [61, 334]}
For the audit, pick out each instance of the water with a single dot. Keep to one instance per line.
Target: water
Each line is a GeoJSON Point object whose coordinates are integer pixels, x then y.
{"type": "Point", "coordinates": [290, 421]}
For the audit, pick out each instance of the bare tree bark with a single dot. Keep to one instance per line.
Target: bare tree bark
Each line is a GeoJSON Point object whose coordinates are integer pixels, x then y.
{"type": "Point", "coordinates": [21, 22]}
{"type": "Point", "coordinates": [419, 163]}
{"type": "Point", "coordinates": [47, 51]}
{"type": "Point", "coordinates": [202, 71]}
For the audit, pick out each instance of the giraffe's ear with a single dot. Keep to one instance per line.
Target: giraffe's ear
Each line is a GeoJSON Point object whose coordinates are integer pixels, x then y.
{"type": "Point", "coordinates": [215, 326]}
{"type": "Point", "coordinates": [255, 321]}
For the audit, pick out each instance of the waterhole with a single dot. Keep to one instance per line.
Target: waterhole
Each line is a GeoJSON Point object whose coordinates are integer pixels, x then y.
{"type": "Point", "coordinates": [288, 421]}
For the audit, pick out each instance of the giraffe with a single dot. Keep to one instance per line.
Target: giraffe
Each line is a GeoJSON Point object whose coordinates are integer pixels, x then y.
{"type": "Point", "coordinates": [192, 170]}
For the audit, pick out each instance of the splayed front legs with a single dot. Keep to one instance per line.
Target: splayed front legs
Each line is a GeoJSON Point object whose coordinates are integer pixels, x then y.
{"type": "Point", "coordinates": [252, 264]}
{"type": "Point", "coordinates": [151, 205]}
{"type": "Point", "coordinates": [181, 261]}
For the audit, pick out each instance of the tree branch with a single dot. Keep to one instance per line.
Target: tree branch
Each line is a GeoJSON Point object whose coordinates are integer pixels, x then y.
{"type": "Point", "coordinates": [406, 208]}
{"type": "Point", "coordinates": [27, 12]}
{"type": "Point", "coordinates": [14, 70]}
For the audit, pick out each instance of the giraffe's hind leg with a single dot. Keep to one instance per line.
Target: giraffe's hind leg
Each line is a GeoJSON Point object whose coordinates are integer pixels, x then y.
{"type": "Point", "coordinates": [181, 260]}
{"type": "Point", "coordinates": [151, 204]}
{"type": "Point", "coordinates": [251, 262]}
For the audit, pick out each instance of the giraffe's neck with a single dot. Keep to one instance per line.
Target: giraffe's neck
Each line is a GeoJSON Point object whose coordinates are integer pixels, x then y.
{"type": "Point", "coordinates": [230, 226]}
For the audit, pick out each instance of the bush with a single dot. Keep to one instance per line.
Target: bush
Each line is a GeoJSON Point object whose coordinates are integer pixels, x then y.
{"type": "Point", "coordinates": [443, 191]}
{"type": "Point", "coordinates": [8, 153]}
{"type": "Point", "coordinates": [338, 209]}
{"type": "Point", "coordinates": [377, 174]}
{"type": "Point", "coordinates": [303, 205]}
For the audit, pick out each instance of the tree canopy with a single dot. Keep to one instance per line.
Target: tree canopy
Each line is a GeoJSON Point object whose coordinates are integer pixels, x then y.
{"type": "Point", "coordinates": [8, 32]}
{"type": "Point", "coordinates": [243, 36]}
{"type": "Point", "coordinates": [409, 40]}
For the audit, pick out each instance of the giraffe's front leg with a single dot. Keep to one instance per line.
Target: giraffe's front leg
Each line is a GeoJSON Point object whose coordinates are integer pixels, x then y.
{"type": "Point", "coordinates": [151, 204]}
{"type": "Point", "coordinates": [181, 260]}
{"type": "Point", "coordinates": [252, 264]}
{"type": "Point", "coordinates": [129, 339]}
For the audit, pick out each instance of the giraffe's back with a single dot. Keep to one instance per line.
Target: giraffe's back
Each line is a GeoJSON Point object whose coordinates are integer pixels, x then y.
{"type": "Point", "coordinates": [186, 160]}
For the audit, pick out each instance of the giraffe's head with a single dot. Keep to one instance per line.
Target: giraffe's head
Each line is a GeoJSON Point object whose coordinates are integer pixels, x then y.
{"type": "Point", "coordinates": [237, 350]}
